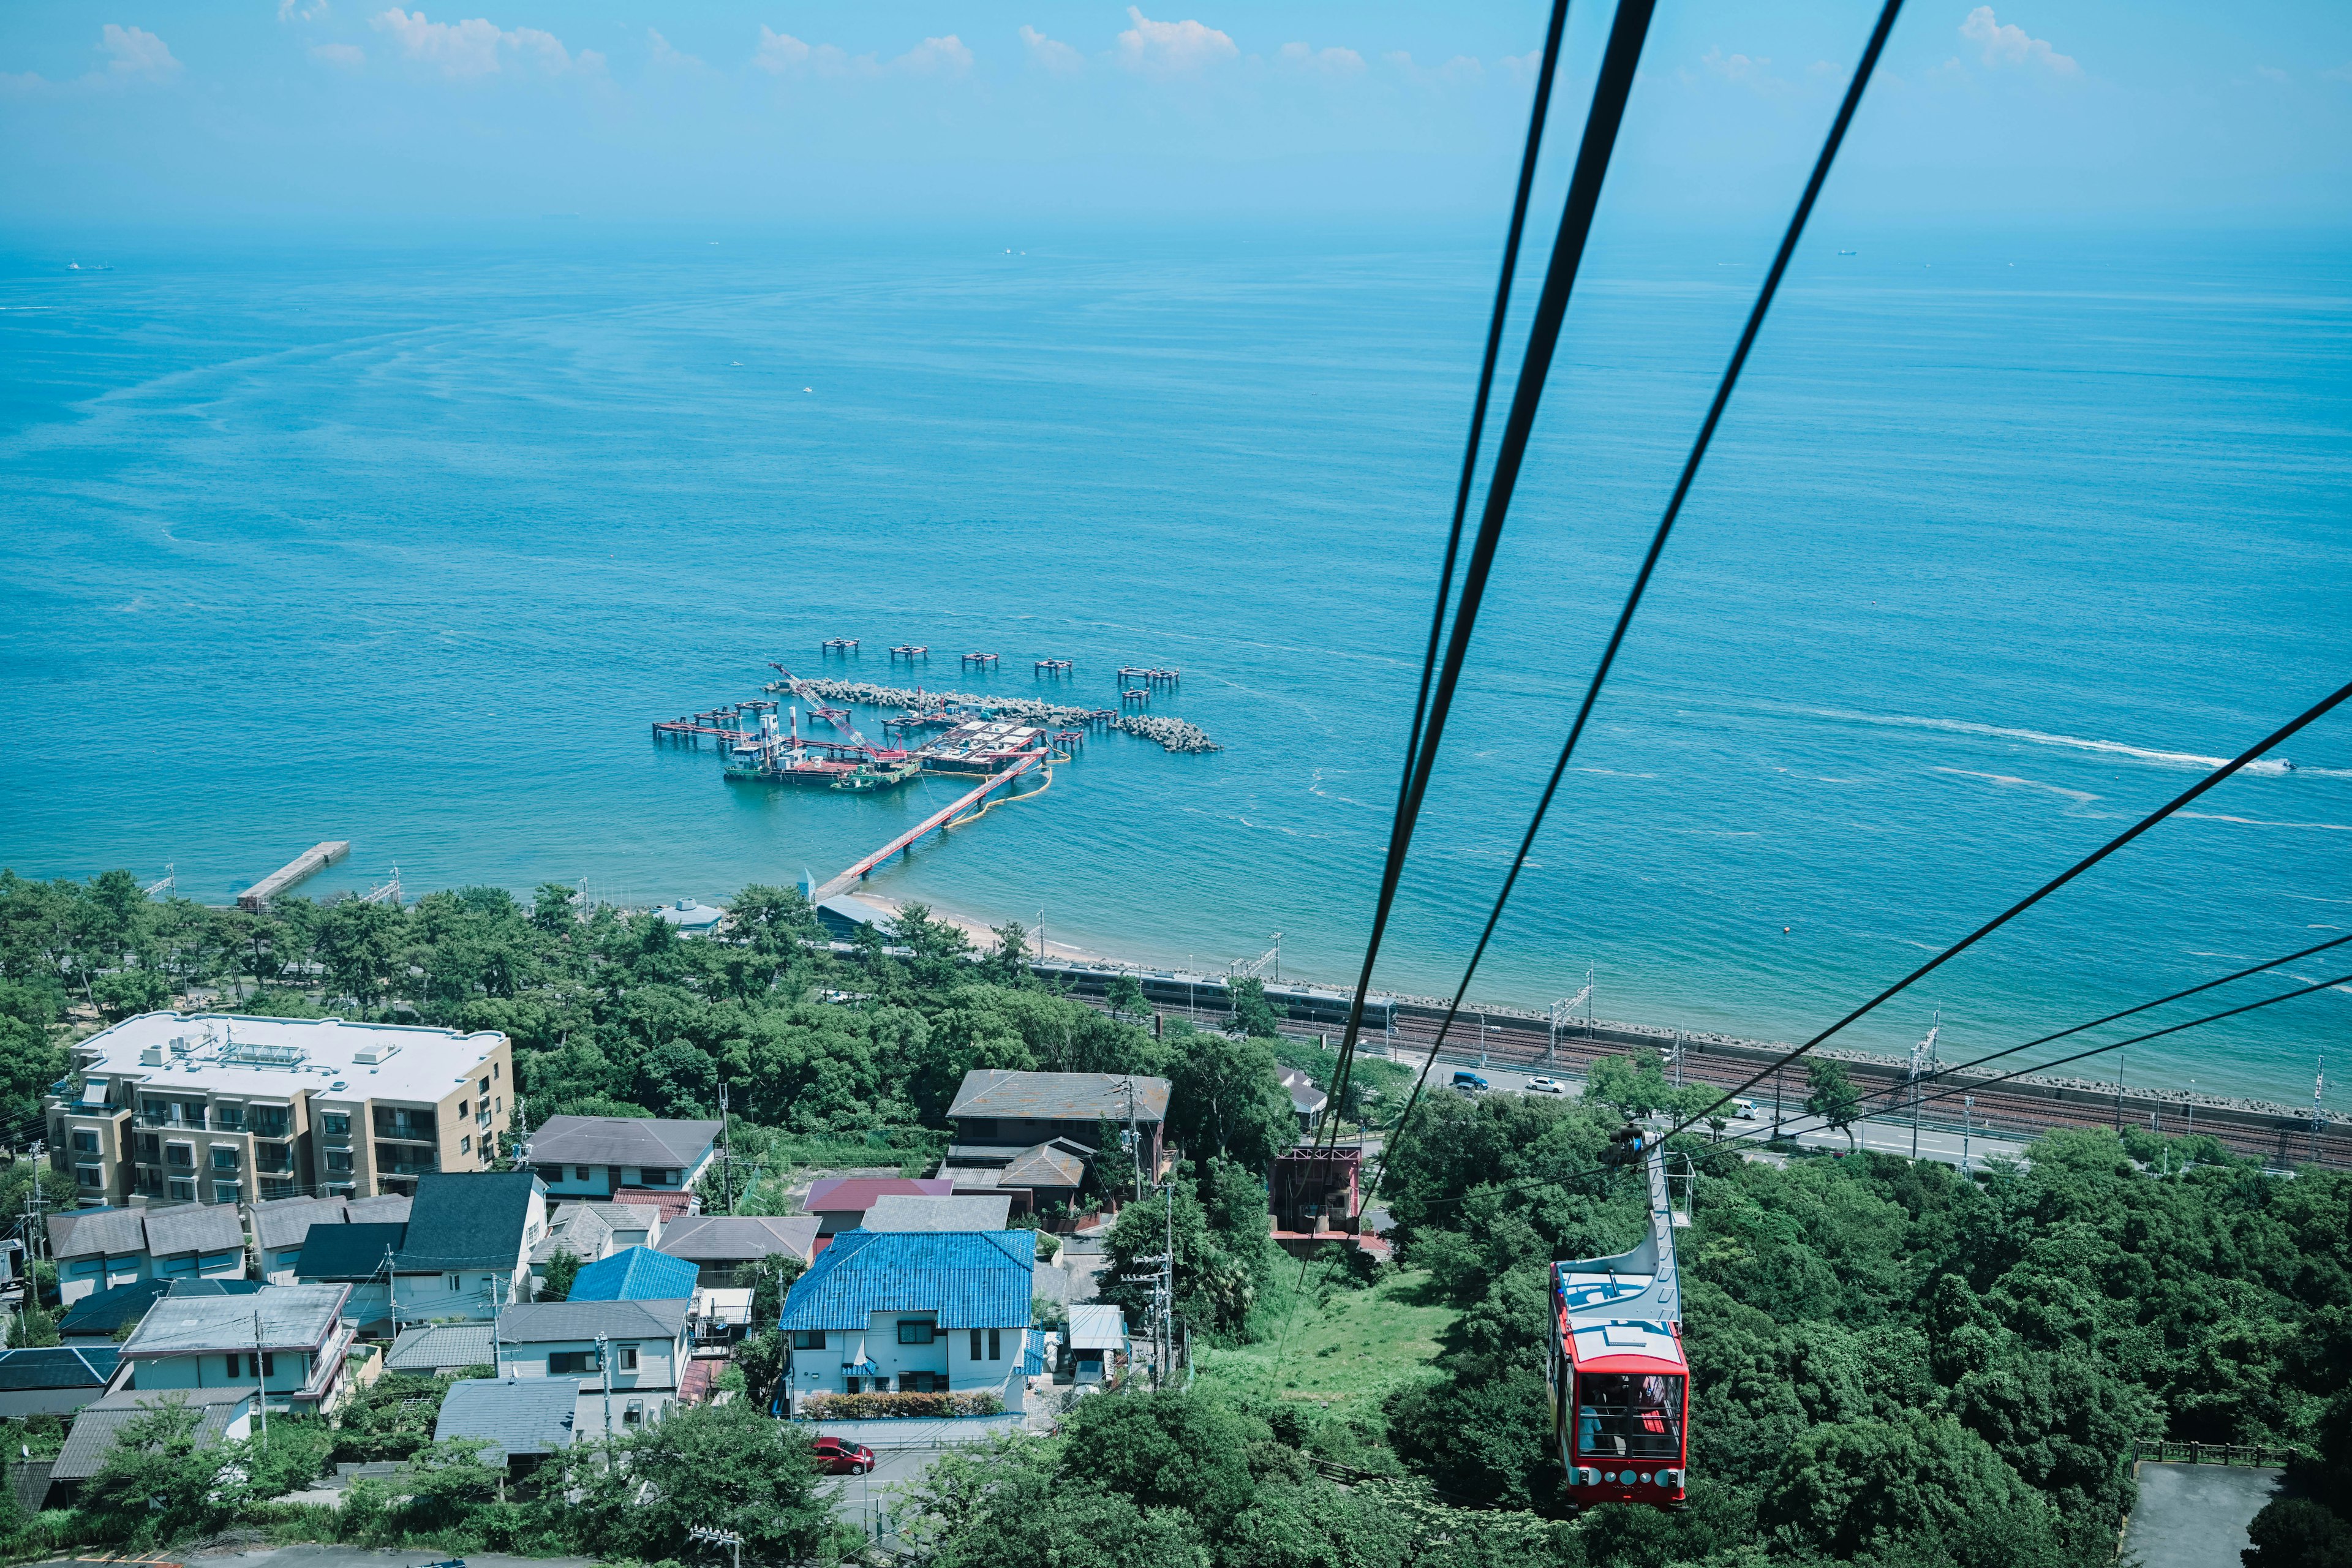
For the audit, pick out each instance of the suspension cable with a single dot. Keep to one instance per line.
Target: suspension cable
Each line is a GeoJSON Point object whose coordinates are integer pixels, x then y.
{"type": "Point", "coordinates": [2292, 727]}
{"type": "Point", "coordinates": [1609, 93]}
{"type": "Point", "coordinates": [1575, 1177]}
{"type": "Point", "coordinates": [1764, 297]}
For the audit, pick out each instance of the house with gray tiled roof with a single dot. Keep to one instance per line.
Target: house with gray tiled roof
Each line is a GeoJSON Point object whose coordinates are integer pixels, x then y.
{"type": "Point", "coordinates": [637, 1350]}
{"type": "Point", "coordinates": [527, 1417]}
{"type": "Point", "coordinates": [607, 1156]}
{"type": "Point", "coordinates": [719, 1245]}
{"type": "Point", "coordinates": [95, 1249]}
{"type": "Point", "coordinates": [464, 1251]}
{"type": "Point", "coordinates": [1039, 1132]}
{"type": "Point", "coordinates": [290, 1340]}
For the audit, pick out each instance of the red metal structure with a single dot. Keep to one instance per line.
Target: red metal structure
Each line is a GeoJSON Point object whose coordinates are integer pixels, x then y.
{"type": "Point", "coordinates": [1619, 1382]}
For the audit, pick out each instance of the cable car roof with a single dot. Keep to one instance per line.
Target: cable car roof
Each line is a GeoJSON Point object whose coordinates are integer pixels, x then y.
{"type": "Point", "coordinates": [1626, 1346]}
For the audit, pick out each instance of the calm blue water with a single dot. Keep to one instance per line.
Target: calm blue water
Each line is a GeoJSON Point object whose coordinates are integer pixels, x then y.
{"type": "Point", "coordinates": [407, 543]}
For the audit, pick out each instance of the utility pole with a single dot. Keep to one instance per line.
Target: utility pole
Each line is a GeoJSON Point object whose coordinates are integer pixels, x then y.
{"type": "Point", "coordinates": [260, 1380]}
{"type": "Point", "coordinates": [2119, 1091]}
{"type": "Point", "coordinates": [391, 1292]}
{"type": "Point", "coordinates": [1923, 1061]}
{"type": "Point", "coordinates": [1967, 1111]}
{"type": "Point", "coordinates": [726, 1146]}
{"type": "Point", "coordinates": [604, 1366]}
{"type": "Point", "coordinates": [2318, 1087]}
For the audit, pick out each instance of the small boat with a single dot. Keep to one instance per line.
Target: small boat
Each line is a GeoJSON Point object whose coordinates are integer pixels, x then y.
{"type": "Point", "coordinates": [1849, 253]}
{"type": "Point", "coordinates": [872, 777]}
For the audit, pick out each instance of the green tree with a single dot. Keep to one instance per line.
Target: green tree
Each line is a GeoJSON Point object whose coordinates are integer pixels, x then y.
{"type": "Point", "coordinates": [770, 1279]}
{"type": "Point", "coordinates": [1125, 996]}
{"type": "Point", "coordinates": [159, 1482]}
{"type": "Point", "coordinates": [563, 1268]}
{"type": "Point", "coordinates": [1921, 1483]}
{"type": "Point", "coordinates": [1225, 1099]}
{"type": "Point", "coordinates": [727, 1466]}
{"type": "Point", "coordinates": [1253, 1015]}
{"type": "Point", "coordinates": [1008, 961]}
{"type": "Point", "coordinates": [1830, 1095]}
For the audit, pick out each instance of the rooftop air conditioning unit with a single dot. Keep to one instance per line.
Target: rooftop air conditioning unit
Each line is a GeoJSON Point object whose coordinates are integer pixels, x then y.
{"type": "Point", "coordinates": [152, 1056]}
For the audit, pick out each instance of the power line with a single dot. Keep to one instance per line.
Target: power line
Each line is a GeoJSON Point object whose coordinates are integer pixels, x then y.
{"type": "Point", "coordinates": [1764, 297]}
{"type": "Point", "coordinates": [1609, 92]}
{"type": "Point", "coordinates": [2293, 726]}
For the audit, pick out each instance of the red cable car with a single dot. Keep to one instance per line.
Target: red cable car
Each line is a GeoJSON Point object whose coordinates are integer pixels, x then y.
{"type": "Point", "coordinates": [1620, 1384]}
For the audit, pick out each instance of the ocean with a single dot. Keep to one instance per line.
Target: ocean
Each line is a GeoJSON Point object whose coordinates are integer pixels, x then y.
{"type": "Point", "coordinates": [407, 539]}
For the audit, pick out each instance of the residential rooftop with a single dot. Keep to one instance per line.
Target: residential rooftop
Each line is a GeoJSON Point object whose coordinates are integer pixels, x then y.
{"type": "Point", "coordinates": [899, 1211]}
{"type": "Point", "coordinates": [731, 1238]}
{"type": "Point", "coordinates": [970, 1279]}
{"type": "Point", "coordinates": [277, 1318]}
{"type": "Point", "coordinates": [638, 1141]}
{"type": "Point", "coordinates": [281, 1057]}
{"type": "Point", "coordinates": [560, 1322]}
{"type": "Point", "coordinates": [1059, 1095]}
{"type": "Point", "coordinates": [520, 1415]}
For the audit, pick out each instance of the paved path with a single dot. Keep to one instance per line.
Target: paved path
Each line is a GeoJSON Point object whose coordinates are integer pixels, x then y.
{"type": "Point", "coordinates": [2195, 1516]}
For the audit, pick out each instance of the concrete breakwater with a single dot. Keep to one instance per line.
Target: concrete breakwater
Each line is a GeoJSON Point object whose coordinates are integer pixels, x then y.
{"type": "Point", "coordinates": [1174, 734]}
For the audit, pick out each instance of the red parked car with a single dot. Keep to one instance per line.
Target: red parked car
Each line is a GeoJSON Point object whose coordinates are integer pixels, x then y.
{"type": "Point", "coordinates": [839, 1456]}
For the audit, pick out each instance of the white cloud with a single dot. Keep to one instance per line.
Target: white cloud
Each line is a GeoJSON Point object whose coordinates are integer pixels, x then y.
{"type": "Point", "coordinates": [778, 52]}
{"type": "Point", "coordinates": [138, 55]}
{"type": "Point", "coordinates": [344, 57]}
{"type": "Point", "coordinates": [477, 48]}
{"type": "Point", "coordinates": [1332, 61]}
{"type": "Point", "coordinates": [2340, 73]}
{"type": "Point", "coordinates": [1057, 57]}
{"type": "Point", "coordinates": [297, 11]}
{"type": "Point", "coordinates": [2272, 73]}
{"type": "Point", "coordinates": [1737, 67]}
{"type": "Point", "coordinates": [663, 53]}
{"type": "Point", "coordinates": [1522, 68]}
{"type": "Point", "coordinates": [936, 57]}
{"type": "Point", "coordinates": [2006, 44]}
{"type": "Point", "coordinates": [1172, 45]}
{"type": "Point", "coordinates": [782, 54]}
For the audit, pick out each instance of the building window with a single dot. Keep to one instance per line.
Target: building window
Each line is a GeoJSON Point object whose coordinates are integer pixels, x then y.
{"type": "Point", "coordinates": [975, 1345]}
{"type": "Point", "coordinates": [183, 1192]}
{"type": "Point", "coordinates": [225, 1192]}
{"type": "Point", "coordinates": [243, 1366]}
{"type": "Point", "coordinates": [579, 1173]}
{"type": "Point", "coordinates": [464, 1111]}
{"type": "Point", "coordinates": [339, 1158]}
{"type": "Point", "coordinates": [494, 1069]}
{"type": "Point", "coordinates": [917, 1331]}
{"type": "Point", "coordinates": [808, 1339]}
{"type": "Point", "coordinates": [83, 1265]}
{"type": "Point", "coordinates": [996, 1344]}
{"type": "Point", "coordinates": [484, 1086]}
{"type": "Point", "coordinates": [229, 1117]}
{"type": "Point", "coordinates": [336, 1123]}
{"type": "Point", "coordinates": [571, 1364]}
{"type": "Point", "coordinates": [150, 1148]}
{"type": "Point", "coordinates": [181, 1154]}
{"type": "Point", "coordinates": [666, 1178]}
{"type": "Point", "coordinates": [628, 1358]}
{"type": "Point", "coordinates": [850, 1383]}
{"type": "Point", "coordinates": [922, 1382]}
{"type": "Point", "coordinates": [91, 1177]}
{"type": "Point", "coordinates": [979, 1127]}
{"type": "Point", "coordinates": [224, 1157]}
{"type": "Point", "coordinates": [278, 1187]}
{"type": "Point", "coordinates": [457, 1283]}
{"type": "Point", "coordinates": [465, 1144]}
{"type": "Point", "coordinates": [85, 1142]}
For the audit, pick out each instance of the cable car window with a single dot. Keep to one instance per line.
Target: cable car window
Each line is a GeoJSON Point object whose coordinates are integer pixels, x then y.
{"type": "Point", "coordinates": [1629, 1415]}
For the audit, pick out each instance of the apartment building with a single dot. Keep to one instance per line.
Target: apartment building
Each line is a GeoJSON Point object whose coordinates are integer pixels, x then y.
{"type": "Point", "coordinates": [168, 1108]}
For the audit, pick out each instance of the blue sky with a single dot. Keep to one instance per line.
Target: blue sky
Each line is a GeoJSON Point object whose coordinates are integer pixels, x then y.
{"type": "Point", "coordinates": [130, 112]}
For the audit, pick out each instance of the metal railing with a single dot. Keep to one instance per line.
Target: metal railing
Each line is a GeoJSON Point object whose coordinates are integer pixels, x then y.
{"type": "Point", "coordinates": [2165, 1450]}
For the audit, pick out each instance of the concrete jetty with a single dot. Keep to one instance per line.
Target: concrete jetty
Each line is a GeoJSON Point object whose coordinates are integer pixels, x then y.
{"type": "Point", "coordinates": [318, 857]}
{"type": "Point", "coordinates": [1173, 733]}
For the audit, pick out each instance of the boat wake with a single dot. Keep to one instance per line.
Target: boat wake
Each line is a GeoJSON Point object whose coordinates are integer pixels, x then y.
{"type": "Point", "coordinates": [2265, 766]}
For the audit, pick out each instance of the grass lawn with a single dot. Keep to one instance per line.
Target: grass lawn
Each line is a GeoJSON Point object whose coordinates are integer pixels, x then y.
{"type": "Point", "coordinates": [1344, 1349]}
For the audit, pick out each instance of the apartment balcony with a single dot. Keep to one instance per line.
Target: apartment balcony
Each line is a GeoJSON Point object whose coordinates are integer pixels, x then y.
{"type": "Point", "coordinates": [391, 1161]}
{"type": "Point", "coordinates": [192, 1122]}
{"type": "Point", "coordinates": [419, 1127]}
{"type": "Point", "coordinates": [274, 1159]}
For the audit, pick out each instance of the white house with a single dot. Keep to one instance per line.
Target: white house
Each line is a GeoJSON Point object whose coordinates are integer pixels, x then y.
{"type": "Point", "coordinates": [626, 1357]}
{"type": "Point", "coordinates": [464, 1252]}
{"type": "Point", "coordinates": [611, 1157]}
{"type": "Point", "coordinates": [288, 1341]}
{"type": "Point", "coordinates": [913, 1312]}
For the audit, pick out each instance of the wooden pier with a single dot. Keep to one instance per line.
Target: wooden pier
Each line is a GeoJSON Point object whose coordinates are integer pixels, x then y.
{"type": "Point", "coordinates": [318, 857]}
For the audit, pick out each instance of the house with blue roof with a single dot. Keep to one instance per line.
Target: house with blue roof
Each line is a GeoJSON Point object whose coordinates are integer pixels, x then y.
{"type": "Point", "coordinates": [635, 1274]}
{"type": "Point", "coordinates": [912, 1312]}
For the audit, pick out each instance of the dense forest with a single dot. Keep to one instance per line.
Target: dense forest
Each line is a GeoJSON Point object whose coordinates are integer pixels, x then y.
{"type": "Point", "coordinates": [1891, 1363]}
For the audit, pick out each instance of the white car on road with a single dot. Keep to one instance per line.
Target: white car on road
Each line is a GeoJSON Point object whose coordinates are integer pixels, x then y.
{"type": "Point", "coordinates": [1545, 1086]}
